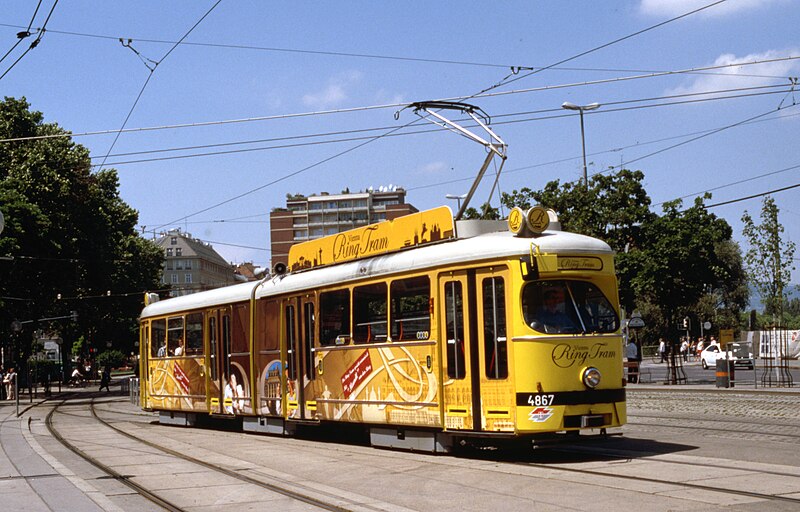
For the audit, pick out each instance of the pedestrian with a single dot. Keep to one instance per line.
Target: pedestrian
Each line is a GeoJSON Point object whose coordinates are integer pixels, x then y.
{"type": "Point", "coordinates": [105, 379]}
{"type": "Point", "coordinates": [9, 383]}
{"type": "Point", "coordinates": [2, 387]}
{"type": "Point", "coordinates": [662, 349]}
{"type": "Point", "coordinates": [685, 349]}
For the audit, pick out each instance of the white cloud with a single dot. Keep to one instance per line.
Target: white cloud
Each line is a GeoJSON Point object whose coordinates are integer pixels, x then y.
{"type": "Point", "coordinates": [768, 73]}
{"type": "Point", "coordinates": [434, 168]}
{"type": "Point", "coordinates": [678, 7]}
{"type": "Point", "coordinates": [335, 93]}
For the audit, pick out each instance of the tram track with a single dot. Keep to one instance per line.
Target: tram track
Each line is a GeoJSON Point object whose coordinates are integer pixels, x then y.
{"type": "Point", "coordinates": [683, 485]}
{"type": "Point", "coordinates": [709, 426]}
{"type": "Point", "coordinates": [286, 491]}
{"type": "Point", "coordinates": [123, 479]}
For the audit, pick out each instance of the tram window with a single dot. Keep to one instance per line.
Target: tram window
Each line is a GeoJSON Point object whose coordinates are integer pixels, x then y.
{"type": "Point", "coordinates": [334, 310]}
{"type": "Point", "coordinates": [369, 313]}
{"type": "Point", "coordinates": [240, 328]}
{"type": "Point", "coordinates": [158, 338]}
{"type": "Point", "coordinates": [267, 324]}
{"type": "Point", "coordinates": [454, 317]}
{"type": "Point", "coordinates": [174, 335]}
{"type": "Point", "coordinates": [212, 346]}
{"type": "Point", "coordinates": [567, 307]}
{"type": "Point", "coordinates": [411, 317]}
{"type": "Point", "coordinates": [194, 334]}
{"type": "Point", "coordinates": [226, 346]}
{"type": "Point", "coordinates": [291, 343]}
{"type": "Point", "coordinates": [494, 328]}
{"type": "Point", "coordinates": [308, 339]}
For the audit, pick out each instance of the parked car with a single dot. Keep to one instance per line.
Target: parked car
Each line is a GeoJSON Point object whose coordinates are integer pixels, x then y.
{"type": "Point", "coordinates": [739, 355]}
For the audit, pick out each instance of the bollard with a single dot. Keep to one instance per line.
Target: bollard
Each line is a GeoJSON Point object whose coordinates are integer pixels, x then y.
{"type": "Point", "coordinates": [724, 373]}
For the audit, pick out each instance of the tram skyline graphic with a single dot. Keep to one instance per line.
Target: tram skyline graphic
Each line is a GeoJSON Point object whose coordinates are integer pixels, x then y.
{"type": "Point", "coordinates": [375, 239]}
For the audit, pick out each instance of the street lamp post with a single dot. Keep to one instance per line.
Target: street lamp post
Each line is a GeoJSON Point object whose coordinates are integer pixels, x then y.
{"type": "Point", "coordinates": [457, 198]}
{"type": "Point", "coordinates": [581, 108]}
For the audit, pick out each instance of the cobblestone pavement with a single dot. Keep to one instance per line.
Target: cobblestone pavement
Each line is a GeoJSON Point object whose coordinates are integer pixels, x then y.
{"type": "Point", "coordinates": [748, 404]}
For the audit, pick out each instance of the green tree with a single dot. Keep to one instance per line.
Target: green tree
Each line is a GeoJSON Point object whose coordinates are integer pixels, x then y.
{"type": "Point", "coordinates": [687, 254]}
{"type": "Point", "coordinates": [770, 259]}
{"type": "Point", "coordinates": [487, 213]}
{"type": "Point", "coordinates": [72, 239]}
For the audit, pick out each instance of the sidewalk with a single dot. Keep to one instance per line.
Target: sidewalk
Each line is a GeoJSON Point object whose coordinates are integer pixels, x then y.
{"type": "Point", "coordinates": [30, 478]}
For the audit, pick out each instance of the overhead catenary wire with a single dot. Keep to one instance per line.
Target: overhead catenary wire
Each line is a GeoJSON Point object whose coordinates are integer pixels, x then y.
{"type": "Point", "coordinates": [150, 75]}
{"type": "Point", "coordinates": [508, 80]}
{"type": "Point", "coordinates": [367, 137]}
{"type": "Point", "coordinates": [27, 33]}
{"type": "Point", "coordinates": [348, 110]}
{"type": "Point", "coordinates": [24, 34]}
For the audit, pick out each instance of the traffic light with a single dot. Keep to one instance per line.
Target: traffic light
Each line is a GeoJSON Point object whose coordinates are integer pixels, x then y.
{"type": "Point", "coordinates": [687, 323]}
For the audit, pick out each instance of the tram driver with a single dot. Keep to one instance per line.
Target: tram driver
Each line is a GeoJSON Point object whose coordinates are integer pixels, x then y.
{"type": "Point", "coordinates": [551, 317]}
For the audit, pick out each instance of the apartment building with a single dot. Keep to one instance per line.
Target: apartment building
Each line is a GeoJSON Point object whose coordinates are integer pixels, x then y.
{"type": "Point", "coordinates": [309, 217]}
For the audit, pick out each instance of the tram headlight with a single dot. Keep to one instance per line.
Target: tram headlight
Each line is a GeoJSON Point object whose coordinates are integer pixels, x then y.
{"type": "Point", "coordinates": [591, 377]}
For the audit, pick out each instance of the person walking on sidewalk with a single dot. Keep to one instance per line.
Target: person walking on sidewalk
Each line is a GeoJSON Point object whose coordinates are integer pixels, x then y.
{"type": "Point", "coordinates": [8, 382]}
{"type": "Point", "coordinates": [105, 379]}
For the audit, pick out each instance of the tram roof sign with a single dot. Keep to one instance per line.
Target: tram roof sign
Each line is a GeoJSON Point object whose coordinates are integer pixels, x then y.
{"type": "Point", "coordinates": [385, 237]}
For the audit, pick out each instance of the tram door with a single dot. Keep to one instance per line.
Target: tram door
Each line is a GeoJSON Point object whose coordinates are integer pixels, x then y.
{"type": "Point", "coordinates": [457, 328]}
{"type": "Point", "coordinates": [219, 347]}
{"type": "Point", "coordinates": [496, 390]}
{"type": "Point", "coordinates": [299, 318]}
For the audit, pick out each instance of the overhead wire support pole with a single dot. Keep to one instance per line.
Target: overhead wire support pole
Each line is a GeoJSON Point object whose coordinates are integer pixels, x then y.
{"type": "Point", "coordinates": [495, 145]}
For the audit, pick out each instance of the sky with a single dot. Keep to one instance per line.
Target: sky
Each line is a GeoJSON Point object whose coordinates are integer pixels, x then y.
{"type": "Point", "coordinates": [261, 99]}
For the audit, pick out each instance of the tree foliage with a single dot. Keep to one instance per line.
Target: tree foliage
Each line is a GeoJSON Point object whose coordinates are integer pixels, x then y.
{"type": "Point", "coordinates": [770, 259]}
{"type": "Point", "coordinates": [69, 234]}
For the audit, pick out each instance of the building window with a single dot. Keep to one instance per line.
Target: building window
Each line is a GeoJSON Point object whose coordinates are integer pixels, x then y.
{"type": "Point", "coordinates": [187, 278]}
{"type": "Point", "coordinates": [174, 278]}
{"type": "Point", "coordinates": [178, 264]}
{"type": "Point", "coordinates": [188, 264]}
{"type": "Point", "coordinates": [169, 252]}
{"type": "Point", "coordinates": [169, 264]}
{"type": "Point", "coordinates": [173, 240]}
{"type": "Point", "coordinates": [178, 251]}
{"type": "Point", "coordinates": [300, 234]}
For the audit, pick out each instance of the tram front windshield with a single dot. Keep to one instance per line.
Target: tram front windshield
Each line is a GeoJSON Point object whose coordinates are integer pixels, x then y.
{"type": "Point", "coordinates": [567, 307]}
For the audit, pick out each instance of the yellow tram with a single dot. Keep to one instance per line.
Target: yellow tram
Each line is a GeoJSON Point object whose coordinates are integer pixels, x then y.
{"type": "Point", "coordinates": [426, 331]}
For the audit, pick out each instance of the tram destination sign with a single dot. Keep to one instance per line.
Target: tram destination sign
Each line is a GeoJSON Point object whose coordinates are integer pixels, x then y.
{"type": "Point", "coordinates": [382, 238]}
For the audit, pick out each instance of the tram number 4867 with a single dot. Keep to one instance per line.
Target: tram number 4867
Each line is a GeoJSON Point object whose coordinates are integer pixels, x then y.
{"type": "Point", "coordinates": [540, 400]}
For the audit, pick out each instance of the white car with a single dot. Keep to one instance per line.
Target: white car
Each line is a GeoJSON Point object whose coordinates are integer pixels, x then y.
{"type": "Point", "coordinates": [710, 354]}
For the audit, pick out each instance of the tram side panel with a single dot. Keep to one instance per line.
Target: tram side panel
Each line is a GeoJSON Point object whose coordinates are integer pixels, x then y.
{"type": "Point", "coordinates": [376, 361]}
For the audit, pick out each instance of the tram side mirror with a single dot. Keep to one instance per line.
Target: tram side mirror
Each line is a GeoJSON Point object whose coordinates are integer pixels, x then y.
{"type": "Point", "coordinates": [529, 267]}
{"type": "Point", "coordinates": [537, 326]}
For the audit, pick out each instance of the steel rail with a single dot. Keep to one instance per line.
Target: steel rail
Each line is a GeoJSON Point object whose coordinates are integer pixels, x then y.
{"type": "Point", "coordinates": [233, 474]}
{"type": "Point", "coordinates": [161, 502]}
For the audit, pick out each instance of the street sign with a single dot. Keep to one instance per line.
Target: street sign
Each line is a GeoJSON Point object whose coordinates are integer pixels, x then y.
{"type": "Point", "coordinates": [636, 322]}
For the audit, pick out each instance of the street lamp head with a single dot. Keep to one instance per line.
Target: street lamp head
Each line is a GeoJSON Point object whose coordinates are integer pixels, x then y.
{"type": "Point", "coordinates": [453, 196]}
{"type": "Point", "coordinates": [571, 106]}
